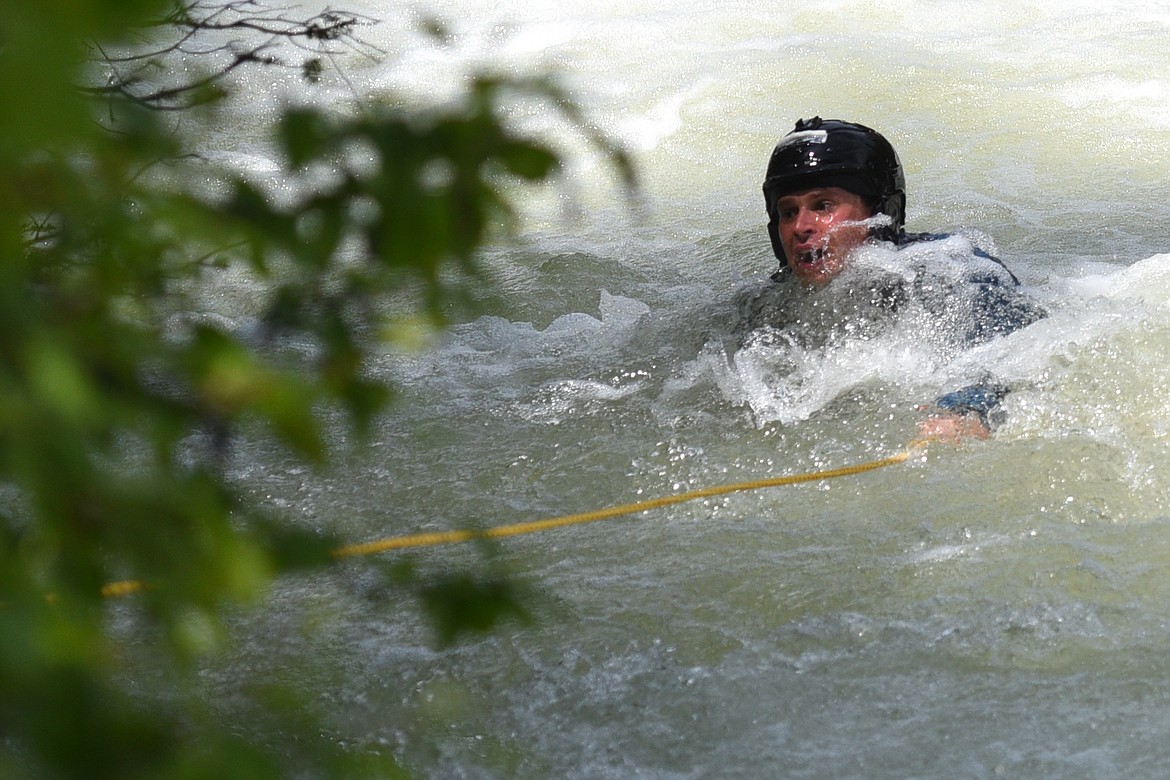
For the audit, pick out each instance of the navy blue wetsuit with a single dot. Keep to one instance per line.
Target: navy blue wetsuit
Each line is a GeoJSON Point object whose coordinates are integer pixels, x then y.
{"type": "Point", "coordinates": [998, 308]}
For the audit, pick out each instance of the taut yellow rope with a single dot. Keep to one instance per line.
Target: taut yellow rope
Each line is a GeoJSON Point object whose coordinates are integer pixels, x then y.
{"type": "Point", "coordinates": [453, 537]}
{"type": "Point", "coordinates": [128, 587]}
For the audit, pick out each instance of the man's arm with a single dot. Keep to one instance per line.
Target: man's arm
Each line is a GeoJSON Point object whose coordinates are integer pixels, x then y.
{"type": "Point", "coordinates": [965, 413]}
{"type": "Point", "coordinates": [1000, 308]}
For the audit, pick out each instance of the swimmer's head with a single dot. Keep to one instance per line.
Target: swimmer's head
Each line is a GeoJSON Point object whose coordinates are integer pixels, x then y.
{"type": "Point", "coordinates": [831, 154]}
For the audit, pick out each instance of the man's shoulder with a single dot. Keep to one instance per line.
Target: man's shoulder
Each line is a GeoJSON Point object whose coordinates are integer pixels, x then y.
{"type": "Point", "coordinates": [905, 239]}
{"type": "Point", "coordinates": [999, 272]}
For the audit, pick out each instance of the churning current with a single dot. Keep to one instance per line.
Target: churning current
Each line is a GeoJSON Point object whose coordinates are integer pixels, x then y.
{"type": "Point", "coordinates": [996, 608]}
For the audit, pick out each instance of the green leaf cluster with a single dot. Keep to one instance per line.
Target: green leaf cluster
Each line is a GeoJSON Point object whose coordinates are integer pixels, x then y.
{"type": "Point", "coordinates": [120, 399]}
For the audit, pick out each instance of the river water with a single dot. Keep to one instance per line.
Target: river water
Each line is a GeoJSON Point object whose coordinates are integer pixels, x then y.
{"type": "Point", "coordinates": [997, 608]}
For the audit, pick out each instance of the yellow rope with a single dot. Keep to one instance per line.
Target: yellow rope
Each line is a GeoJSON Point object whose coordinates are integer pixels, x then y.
{"type": "Point", "coordinates": [116, 590]}
{"type": "Point", "coordinates": [453, 537]}
{"type": "Point", "coordinates": [128, 587]}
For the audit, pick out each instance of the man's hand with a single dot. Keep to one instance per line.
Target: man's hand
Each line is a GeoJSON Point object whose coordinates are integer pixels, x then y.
{"type": "Point", "coordinates": [952, 427]}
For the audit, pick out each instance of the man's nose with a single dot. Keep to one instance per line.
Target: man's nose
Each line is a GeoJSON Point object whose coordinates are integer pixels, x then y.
{"type": "Point", "coordinates": [805, 221]}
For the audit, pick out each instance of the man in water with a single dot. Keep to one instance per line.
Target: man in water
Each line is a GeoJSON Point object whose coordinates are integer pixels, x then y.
{"type": "Point", "coordinates": [833, 187]}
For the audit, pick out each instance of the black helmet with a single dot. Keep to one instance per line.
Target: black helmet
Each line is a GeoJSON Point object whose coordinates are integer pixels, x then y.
{"type": "Point", "coordinates": [831, 153]}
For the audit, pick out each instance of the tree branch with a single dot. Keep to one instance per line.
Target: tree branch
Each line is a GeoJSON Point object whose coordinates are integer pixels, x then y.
{"type": "Point", "coordinates": [254, 36]}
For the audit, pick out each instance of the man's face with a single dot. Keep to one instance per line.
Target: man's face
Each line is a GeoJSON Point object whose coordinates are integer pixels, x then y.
{"type": "Point", "coordinates": [819, 228]}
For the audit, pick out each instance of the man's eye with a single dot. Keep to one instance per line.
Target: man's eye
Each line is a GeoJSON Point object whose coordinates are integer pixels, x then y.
{"type": "Point", "coordinates": [825, 205]}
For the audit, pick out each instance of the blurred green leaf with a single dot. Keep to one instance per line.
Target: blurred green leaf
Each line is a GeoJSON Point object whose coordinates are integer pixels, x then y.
{"type": "Point", "coordinates": [463, 604]}
{"type": "Point", "coordinates": [303, 135]}
{"type": "Point", "coordinates": [124, 392]}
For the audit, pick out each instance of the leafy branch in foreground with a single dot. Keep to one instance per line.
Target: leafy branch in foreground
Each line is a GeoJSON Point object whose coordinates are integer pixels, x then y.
{"type": "Point", "coordinates": [120, 391]}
